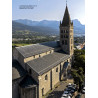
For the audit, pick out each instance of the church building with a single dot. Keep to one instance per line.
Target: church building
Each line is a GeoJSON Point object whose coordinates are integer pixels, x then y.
{"type": "Point", "coordinates": [37, 68]}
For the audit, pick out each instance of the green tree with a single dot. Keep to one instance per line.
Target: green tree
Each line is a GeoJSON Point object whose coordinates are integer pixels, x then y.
{"type": "Point", "coordinates": [78, 69]}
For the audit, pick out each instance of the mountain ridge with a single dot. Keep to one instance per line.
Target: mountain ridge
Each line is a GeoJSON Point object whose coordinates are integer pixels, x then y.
{"type": "Point", "coordinates": [50, 26]}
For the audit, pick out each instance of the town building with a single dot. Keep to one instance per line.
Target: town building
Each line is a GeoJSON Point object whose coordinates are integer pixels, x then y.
{"type": "Point", "coordinates": [37, 68]}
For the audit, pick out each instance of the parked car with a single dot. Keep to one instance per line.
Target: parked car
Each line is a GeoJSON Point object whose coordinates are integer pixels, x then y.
{"type": "Point", "coordinates": [65, 92]}
{"type": "Point", "coordinates": [65, 96]}
{"type": "Point", "coordinates": [83, 90]}
{"type": "Point", "coordinates": [70, 88]}
{"type": "Point", "coordinates": [71, 85]}
{"type": "Point", "coordinates": [68, 93]}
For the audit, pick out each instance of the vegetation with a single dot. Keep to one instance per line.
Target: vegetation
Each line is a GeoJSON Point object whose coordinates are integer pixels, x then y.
{"type": "Point", "coordinates": [79, 39]}
{"type": "Point", "coordinates": [78, 69]}
{"type": "Point", "coordinates": [36, 30]}
{"type": "Point", "coordinates": [18, 45]}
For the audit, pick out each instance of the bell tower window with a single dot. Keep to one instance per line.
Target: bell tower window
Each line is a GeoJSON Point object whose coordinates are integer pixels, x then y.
{"type": "Point", "coordinates": [61, 36]}
{"type": "Point", "coordinates": [61, 31]}
{"type": "Point", "coordinates": [66, 36]}
{"type": "Point", "coordinates": [65, 42]}
{"type": "Point", "coordinates": [66, 31]}
{"type": "Point", "coordinates": [62, 42]}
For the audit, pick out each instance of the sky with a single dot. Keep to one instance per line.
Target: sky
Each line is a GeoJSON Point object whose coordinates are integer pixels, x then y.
{"type": "Point", "coordinates": [48, 9]}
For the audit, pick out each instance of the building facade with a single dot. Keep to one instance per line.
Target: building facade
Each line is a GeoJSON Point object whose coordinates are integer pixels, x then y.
{"type": "Point", "coordinates": [43, 65]}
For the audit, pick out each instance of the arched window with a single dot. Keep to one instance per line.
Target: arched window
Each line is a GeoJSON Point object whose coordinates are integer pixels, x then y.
{"type": "Point", "coordinates": [57, 69]}
{"type": "Point", "coordinates": [71, 41]}
{"type": "Point", "coordinates": [46, 77]}
{"type": "Point", "coordinates": [42, 91]}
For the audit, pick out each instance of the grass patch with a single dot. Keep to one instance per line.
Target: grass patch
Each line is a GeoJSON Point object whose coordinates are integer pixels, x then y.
{"type": "Point", "coordinates": [18, 45]}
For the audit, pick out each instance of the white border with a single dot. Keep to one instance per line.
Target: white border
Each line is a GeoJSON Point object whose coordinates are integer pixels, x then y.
{"type": "Point", "coordinates": [5, 49]}
{"type": "Point", "coordinates": [91, 49]}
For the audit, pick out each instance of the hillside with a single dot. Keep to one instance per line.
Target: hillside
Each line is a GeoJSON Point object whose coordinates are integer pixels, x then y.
{"type": "Point", "coordinates": [46, 27]}
{"type": "Point", "coordinates": [39, 30]}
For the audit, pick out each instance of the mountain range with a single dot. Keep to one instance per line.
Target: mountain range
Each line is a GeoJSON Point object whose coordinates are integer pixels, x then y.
{"type": "Point", "coordinates": [48, 27]}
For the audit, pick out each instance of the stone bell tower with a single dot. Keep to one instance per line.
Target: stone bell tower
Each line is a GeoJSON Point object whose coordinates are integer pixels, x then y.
{"type": "Point", "coordinates": [66, 33]}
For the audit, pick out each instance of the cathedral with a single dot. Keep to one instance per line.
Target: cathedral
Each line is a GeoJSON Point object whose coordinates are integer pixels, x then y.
{"type": "Point", "coordinates": [37, 68]}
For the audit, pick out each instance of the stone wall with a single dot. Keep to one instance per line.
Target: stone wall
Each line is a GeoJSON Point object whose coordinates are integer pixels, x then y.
{"type": "Point", "coordinates": [43, 54]}
{"type": "Point", "coordinates": [21, 60]}
{"type": "Point", "coordinates": [33, 73]}
{"type": "Point", "coordinates": [28, 59]}
{"type": "Point", "coordinates": [55, 75]}
{"type": "Point", "coordinates": [15, 88]}
{"type": "Point", "coordinates": [28, 92]}
{"type": "Point", "coordinates": [15, 54]}
{"type": "Point", "coordinates": [19, 57]}
{"type": "Point", "coordinates": [44, 84]}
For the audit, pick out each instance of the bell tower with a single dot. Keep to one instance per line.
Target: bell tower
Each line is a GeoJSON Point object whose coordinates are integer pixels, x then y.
{"type": "Point", "coordinates": [66, 33]}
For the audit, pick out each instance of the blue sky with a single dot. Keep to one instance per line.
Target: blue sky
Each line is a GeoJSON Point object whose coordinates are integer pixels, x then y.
{"type": "Point", "coordinates": [48, 10]}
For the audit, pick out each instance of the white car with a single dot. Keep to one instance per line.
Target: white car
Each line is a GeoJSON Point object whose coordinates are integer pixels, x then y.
{"type": "Point", "coordinates": [65, 96]}
{"type": "Point", "coordinates": [83, 90]}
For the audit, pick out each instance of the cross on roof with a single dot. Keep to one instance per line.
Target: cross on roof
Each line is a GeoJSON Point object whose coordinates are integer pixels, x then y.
{"type": "Point", "coordinates": [66, 2]}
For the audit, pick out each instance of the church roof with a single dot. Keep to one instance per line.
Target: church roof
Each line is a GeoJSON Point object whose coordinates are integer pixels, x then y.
{"type": "Point", "coordinates": [45, 63]}
{"type": "Point", "coordinates": [17, 70]}
{"type": "Point", "coordinates": [28, 82]}
{"type": "Point", "coordinates": [34, 49]}
{"type": "Point", "coordinates": [66, 19]}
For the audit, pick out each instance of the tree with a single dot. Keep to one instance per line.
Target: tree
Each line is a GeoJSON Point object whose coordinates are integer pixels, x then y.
{"type": "Point", "coordinates": [78, 69]}
{"type": "Point", "coordinates": [79, 59]}
{"type": "Point", "coordinates": [78, 77]}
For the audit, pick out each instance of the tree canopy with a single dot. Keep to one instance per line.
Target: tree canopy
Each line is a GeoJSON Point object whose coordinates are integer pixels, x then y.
{"type": "Point", "coordinates": [78, 68]}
